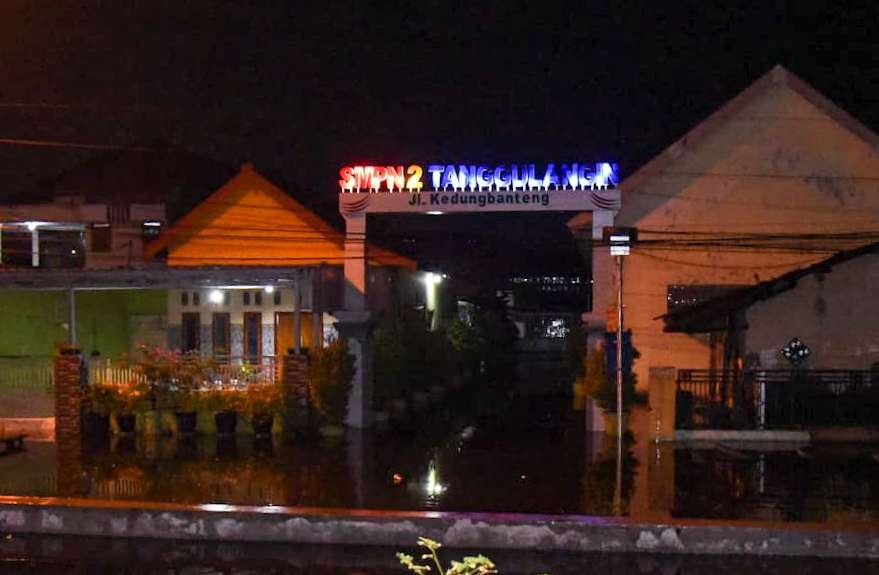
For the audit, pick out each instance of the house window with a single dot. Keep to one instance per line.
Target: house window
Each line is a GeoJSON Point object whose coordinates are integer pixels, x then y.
{"type": "Point", "coordinates": [245, 297]}
{"type": "Point", "coordinates": [184, 298]}
{"type": "Point", "coordinates": [227, 297]}
{"type": "Point", "coordinates": [61, 249]}
{"type": "Point", "coordinates": [190, 336]}
{"type": "Point", "coordinates": [277, 297]}
{"type": "Point", "coordinates": [16, 246]}
{"type": "Point", "coordinates": [196, 298]}
{"type": "Point", "coordinates": [101, 238]}
{"type": "Point", "coordinates": [257, 297]}
{"type": "Point", "coordinates": [252, 336]}
{"type": "Point", "coordinates": [220, 328]}
{"type": "Point", "coordinates": [683, 296]}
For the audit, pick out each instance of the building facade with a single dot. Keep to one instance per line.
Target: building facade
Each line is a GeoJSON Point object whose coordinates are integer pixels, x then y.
{"type": "Point", "coordinates": [776, 180]}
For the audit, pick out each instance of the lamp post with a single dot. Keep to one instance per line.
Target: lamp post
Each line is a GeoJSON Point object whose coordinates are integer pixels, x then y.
{"type": "Point", "coordinates": [620, 240]}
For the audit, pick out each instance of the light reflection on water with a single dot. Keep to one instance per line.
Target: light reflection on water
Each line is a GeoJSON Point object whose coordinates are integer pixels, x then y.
{"type": "Point", "coordinates": [529, 454]}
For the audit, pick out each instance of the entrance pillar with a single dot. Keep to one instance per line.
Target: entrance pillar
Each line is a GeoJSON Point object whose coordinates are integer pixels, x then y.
{"type": "Point", "coordinates": [353, 328]}
{"type": "Point", "coordinates": [355, 262]}
{"type": "Point", "coordinates": [353, 321]}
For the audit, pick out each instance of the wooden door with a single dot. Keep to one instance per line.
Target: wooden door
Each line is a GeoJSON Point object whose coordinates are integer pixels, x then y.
{"type": "Point", "coordinates": [285, 331]}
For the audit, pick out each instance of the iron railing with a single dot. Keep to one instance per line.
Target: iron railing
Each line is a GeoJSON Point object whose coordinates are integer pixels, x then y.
{"type": "Point", "coordinates": [777, 399]}
{"type": "Point", "coordinates": [231, 371]}
{"type": "Point", "coordinates": [32, 374]}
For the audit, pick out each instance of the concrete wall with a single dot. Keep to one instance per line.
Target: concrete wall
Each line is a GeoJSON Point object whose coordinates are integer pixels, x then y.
{"type": "Point", "coordinates": [33, 322]}
{"type": "Point", "coordinates": [835, 314]}
{"type": "Point", "coordinates": [777, 165]}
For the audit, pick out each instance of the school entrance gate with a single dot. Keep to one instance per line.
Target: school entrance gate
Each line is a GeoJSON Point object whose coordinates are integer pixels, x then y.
{"type": "Point", "coordinates": [437, 189]}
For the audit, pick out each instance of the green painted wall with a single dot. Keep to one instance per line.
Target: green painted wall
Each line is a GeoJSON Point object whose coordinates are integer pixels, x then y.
{"type": "Point", "coordinates": [32, 322]}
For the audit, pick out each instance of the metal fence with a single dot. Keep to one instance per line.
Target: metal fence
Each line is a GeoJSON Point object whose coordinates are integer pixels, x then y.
{"type": "Point", "coordinates": [231, 371]}
{"type": "Point", "coordinates": [777, 399]}
{"type": "Point", "coordinates": [26, 374]}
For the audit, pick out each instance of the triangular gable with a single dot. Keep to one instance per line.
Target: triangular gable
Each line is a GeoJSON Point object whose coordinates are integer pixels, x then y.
{"type": "Point", "coordinates": [778, 75]}
{"type": "Point", "coordinates": [249, 221]}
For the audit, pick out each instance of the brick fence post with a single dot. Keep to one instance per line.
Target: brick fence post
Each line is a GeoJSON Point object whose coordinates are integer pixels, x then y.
{"type": "Point", "coordinates": [296, 391]}
{"type": "Point", "coordinates": [68, 421]}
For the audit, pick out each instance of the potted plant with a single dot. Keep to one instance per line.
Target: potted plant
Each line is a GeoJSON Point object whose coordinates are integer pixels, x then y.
{"type": "Point", "coordinates": [175, 379]}
{"type": "Point", "coordinates": [122, 400]}
{"type": "Point", "coordinates": [330, 372]}
{"type": "Point", "coordinates": [225, 402]}
{"type": "Point", "coordinates": [261, 402]}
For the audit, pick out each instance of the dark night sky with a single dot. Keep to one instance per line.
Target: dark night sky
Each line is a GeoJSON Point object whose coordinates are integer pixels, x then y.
{"type": "Point", "coordinates": [302, 88]}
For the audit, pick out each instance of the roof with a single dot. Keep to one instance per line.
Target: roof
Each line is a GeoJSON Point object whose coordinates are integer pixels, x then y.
{"type": "Point", "coordinates": [778, 75]}
{"type": "Point", "coordinates": [694, 319]}
{"type": "Point", "coordinates": [259, 231]}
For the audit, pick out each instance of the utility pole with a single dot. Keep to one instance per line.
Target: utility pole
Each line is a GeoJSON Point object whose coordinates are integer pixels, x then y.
{"type": "Point", "coordinates": [621, 240]}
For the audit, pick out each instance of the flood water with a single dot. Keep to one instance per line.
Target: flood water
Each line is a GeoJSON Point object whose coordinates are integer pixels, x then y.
{"type": "Point", "coordinates": [477, 451]}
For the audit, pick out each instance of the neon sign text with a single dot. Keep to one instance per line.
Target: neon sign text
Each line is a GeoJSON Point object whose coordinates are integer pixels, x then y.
{"type": "Point", "coordinates": [459, 178]}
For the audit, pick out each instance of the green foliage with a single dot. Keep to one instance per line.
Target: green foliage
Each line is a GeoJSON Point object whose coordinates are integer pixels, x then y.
{"type": "Point", "coordinates": [217, 399]}
{"type": "Point", "coordinates": [174, 377]}
{"type": "Point", "coordinates": [476, 565]}
{"type": "Point", "coordinates": [497, 336]}
{"type": "Point", "coordinates": [125, 397]}
{"type": "Point", "coordinates": [602, 386]}
{"type": "Point", "coordinates": [330, 373]}
{"type": "Point", "coordinates": [263, 398]}
{"type": "Point", "coordinates": [389, 359]}
{"type": "Point", "coordinates": [465, 341]}
{"type": "Point", "coordinates": [408, 357]}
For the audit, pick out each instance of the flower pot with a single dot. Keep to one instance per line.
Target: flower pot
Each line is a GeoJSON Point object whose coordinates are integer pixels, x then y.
{"type": "Point", "coordinates": [126, 422]}
{"type": "Point", "coordinates": [186, 421]}
{"type": "Point", "coordinates": [262, 423]}
{"type": "Point", "coordinates": [95, 424]}
{"type": "Point", "coordinates": [226, 422]}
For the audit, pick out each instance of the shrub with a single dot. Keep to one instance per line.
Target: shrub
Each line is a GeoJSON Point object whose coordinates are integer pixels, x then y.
{"type": "Point", "coordinates": [330, 372]}
{"type": "Point", "coordinates": [126, 397]}
{"type": "Point", "coordinates": [263, 398]}
{"type": "Point", "coordinates": [602, 386]}
{"type": "Point", "coordinates": [218, 398]}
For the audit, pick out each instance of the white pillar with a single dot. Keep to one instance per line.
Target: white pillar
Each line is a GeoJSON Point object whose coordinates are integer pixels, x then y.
{"type": "Point", "coordinates": [317, 322]}
{"type": "Point", "coordinates": [71, 316]}
{"type": "Point", "coordinates": [353, 328]}
{"type": "Point", "coordinates": [297, 313]}
{"type": "Point", "coordinates": [355, 262]}
{"type": "Point", "coordinates": [35, 248]}
{"type": "Point", "coordinates": [603, 294]}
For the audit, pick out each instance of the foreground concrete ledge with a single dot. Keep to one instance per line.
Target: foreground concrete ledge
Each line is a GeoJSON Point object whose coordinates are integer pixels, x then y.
{"type": "Point", "coordinates": [483, 531]}
{"type": "Point", "coordinates": [773, 436]}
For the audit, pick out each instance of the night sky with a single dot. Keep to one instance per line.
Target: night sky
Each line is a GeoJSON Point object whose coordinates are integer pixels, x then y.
{"type": "Point", "coordinates": [302, 88]}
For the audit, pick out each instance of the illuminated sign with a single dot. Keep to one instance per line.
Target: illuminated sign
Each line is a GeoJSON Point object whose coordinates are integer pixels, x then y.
{"type": "Point", "coordinates": [478, 178]}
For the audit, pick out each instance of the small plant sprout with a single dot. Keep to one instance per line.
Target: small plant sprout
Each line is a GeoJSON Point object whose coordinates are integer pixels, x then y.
{"type": "Point", "coordinates": [478, 565]}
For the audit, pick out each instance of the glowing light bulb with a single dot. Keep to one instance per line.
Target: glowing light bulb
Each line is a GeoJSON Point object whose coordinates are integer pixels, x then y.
{"type": "Point", "coordinates": [216, 296]}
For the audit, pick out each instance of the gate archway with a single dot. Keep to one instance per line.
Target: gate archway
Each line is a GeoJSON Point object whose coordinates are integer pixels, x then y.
{"type": "Point", "coordinates": [445, 188]}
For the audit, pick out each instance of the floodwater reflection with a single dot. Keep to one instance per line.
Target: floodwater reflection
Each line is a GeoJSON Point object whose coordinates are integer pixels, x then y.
{"type": "Point", "coordinates": [523, 454]}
